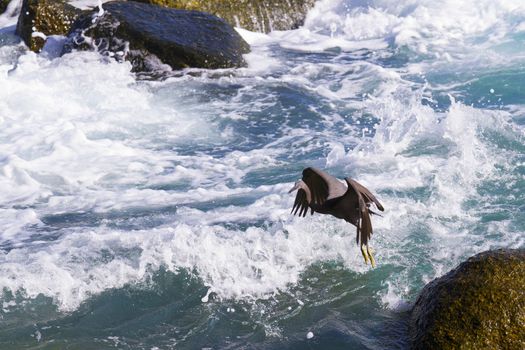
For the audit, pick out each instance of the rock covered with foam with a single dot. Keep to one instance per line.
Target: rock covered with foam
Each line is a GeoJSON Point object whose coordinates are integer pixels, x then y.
{"type": "Point", "coordinates": [144, 34]}
{"type": "Point", "coordinates": [478, 305]}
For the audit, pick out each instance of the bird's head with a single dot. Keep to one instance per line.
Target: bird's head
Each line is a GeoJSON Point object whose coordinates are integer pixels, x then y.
{"type": "Point", "coordinates": [295, 187]}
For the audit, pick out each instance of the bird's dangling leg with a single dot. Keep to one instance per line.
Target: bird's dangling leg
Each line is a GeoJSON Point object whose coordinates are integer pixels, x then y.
{"type": "Point", "coordinates": [372, 260]}
{"type": "Point", "coordinates": [365, 253]}
{"type": "Point", "coordinates": [365, 250]}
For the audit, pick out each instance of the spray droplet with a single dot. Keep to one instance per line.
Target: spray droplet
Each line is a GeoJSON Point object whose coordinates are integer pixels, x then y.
{"type": "Point", "coordinates": [309, 335]}
{"type": "Point", "coordinates": [333, 29]}
{"type": "Point", "coordinates": [205, 298]}
{"type": "Point", "coordinates": [491, 91]}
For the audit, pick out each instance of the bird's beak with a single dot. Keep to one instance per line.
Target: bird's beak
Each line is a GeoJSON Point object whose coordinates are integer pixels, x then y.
{"type": "Point", "coordinates": [295, 187]}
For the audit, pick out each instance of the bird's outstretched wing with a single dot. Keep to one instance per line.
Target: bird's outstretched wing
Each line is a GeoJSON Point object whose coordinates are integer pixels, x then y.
{"type": "Point", "coordinates": [368, 196]}
{"type": "Point", "coordinates": [302, 199]}
{"type": "Point", "coordinates": [323, 186]}
{"type": "Point", "coordinates": [364, 198]}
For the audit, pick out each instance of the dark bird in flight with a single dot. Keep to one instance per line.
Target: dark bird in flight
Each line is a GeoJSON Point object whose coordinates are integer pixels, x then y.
{"type": "Point", "coordinates": [324, 194]}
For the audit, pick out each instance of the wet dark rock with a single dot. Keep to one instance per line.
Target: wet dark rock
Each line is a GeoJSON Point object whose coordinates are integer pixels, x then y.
{"type": "Point", "coordinates": [41, 18]}
{"type": "Point", "coordinates": [9, 9]}
{"type": "Point", "coordinates": [478, 305]}
{"type": "Point", "coordinates": [255, 15]}
{"type": "Point", "coordinates": [147, 35]}
{"type": "Point", "coordinates": [3, 5]}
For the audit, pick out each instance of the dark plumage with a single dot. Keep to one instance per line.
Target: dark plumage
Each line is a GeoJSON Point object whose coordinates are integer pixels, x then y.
{"type": "Point", "coordinates": [324, 194]}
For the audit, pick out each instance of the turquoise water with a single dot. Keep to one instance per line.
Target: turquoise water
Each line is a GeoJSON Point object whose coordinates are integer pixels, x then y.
{"type": "Point", "coordinates": [142, 214]}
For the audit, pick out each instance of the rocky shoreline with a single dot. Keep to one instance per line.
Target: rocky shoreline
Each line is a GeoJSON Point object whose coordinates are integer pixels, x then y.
{"type": "Point", "coordinates": [154, 32]}
{"type": "Point", "coordinates": [149, 35]}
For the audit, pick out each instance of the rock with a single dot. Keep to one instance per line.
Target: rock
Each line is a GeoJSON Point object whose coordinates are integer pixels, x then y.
{"type": "Point", "coordinates": [478, 305]}
{"type": "Point", "coordinates": [3, 5]}
{"type": "Point", "coordinates": [9, 10]}
{"type": "Point", "coordinates": [143, 33]}
{"type": "Point", "coordinates": [255, 15]}
{"type": "Point", "coordinates": [40, 18]}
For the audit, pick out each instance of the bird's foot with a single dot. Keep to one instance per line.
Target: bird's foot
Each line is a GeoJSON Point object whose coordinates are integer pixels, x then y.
{"type": "Point", "coordinates": [367, 255]}
{"type": "Point", "coordinates": [372, 260]}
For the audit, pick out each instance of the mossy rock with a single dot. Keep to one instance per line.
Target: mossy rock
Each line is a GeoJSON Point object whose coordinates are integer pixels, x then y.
{"type": "Point", "coordinates": [144, 34]}
{"type": "Point", "coordinates": [49, 17]}
{"type": "Point", "coordinates": [478, 305]}
{"type": "Point", "coordinates": [255, 15]}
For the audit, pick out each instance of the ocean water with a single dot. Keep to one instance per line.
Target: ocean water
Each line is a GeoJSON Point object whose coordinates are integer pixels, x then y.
{"type": "Point", "coordinates": [139, 214]}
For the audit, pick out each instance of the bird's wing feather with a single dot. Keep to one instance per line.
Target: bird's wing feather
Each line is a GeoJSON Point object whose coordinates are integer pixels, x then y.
{"type": "Point", "coordinates": [364, 223]}
{"type": "Point", "coordinates": [302, 199]}
{"type": "Point", "coordinates": [322, 185]}
{"type": "Point", "coordinates": [369, 197]}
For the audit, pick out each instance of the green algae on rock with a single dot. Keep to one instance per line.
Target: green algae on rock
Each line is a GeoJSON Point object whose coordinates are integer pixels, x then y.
{"type": "Point", "coordinates": [41, 18]}
{"type": "Point", "coordinates": [478, 305]}
{"type": "Point", "coordinates": [255, 15]}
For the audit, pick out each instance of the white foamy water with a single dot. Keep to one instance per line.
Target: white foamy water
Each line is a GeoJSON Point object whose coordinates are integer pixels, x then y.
{"type": "Point", "coordinates": [426, 27]}
{"type": "Point", "coordinates": [105, 178]}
